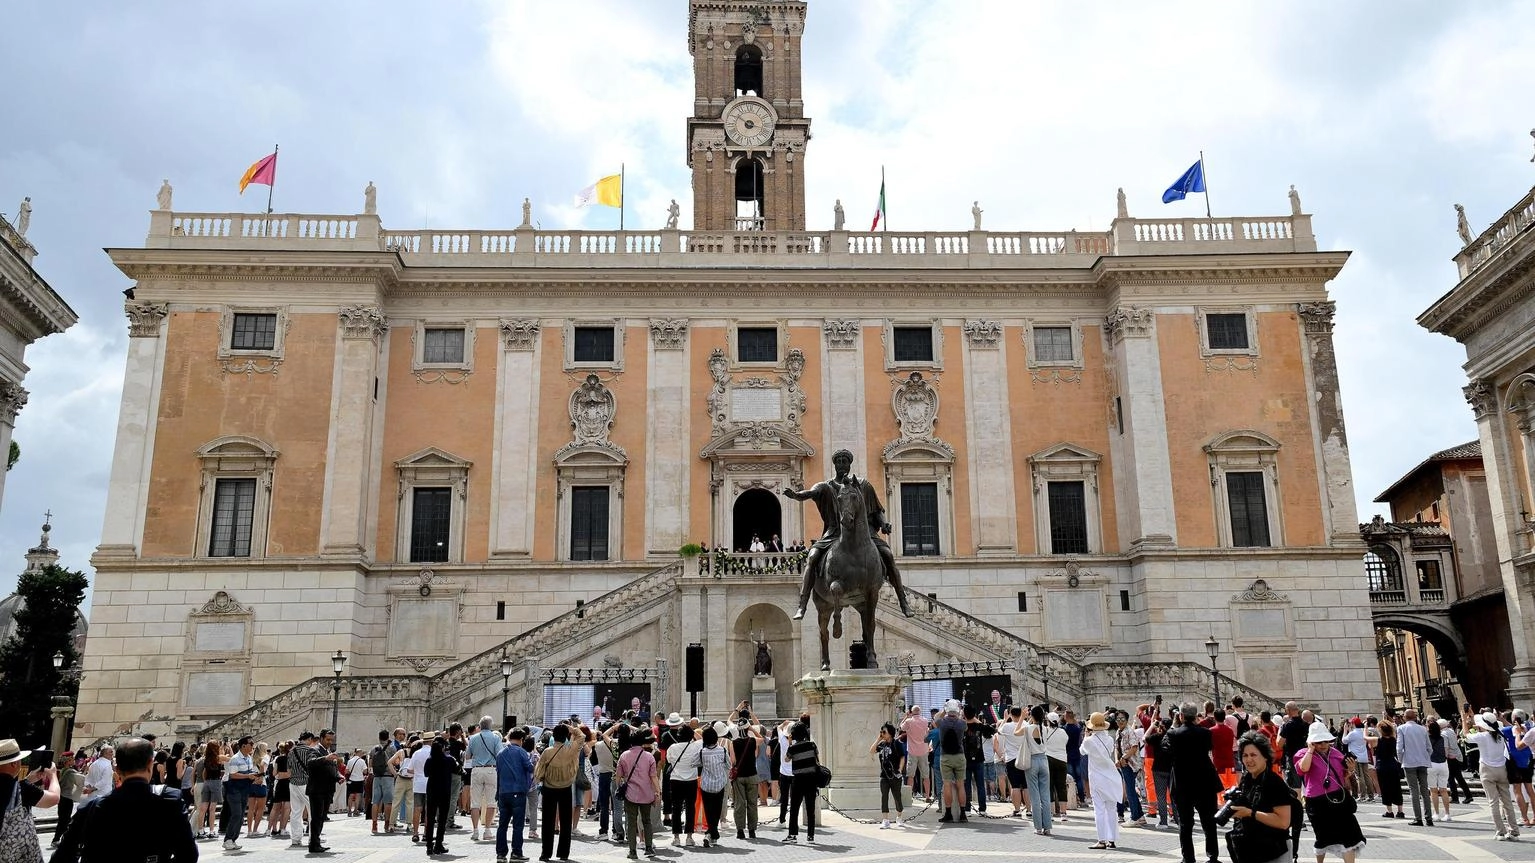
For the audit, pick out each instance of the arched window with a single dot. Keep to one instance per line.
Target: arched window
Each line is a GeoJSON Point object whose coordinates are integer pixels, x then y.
{"type": "Point", "coordinates": [749, 214]}
{"type": "Point", "coordinates": [749, 71]}
{"type": "Point", "coordinates": [1383, 571]}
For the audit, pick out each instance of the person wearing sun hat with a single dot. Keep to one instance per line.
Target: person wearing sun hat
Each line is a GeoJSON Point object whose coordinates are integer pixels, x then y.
{"type": "Point", "coordinates": [16, 827]}
{"type": "Point", "coordinates": [1324, 776]}
{"type": "Point", "coordinates": [1493, 768]}
{"type": "Point", "coordinates": [1103, 777]}
{"type": "Point", "coordinates": [131, 823]}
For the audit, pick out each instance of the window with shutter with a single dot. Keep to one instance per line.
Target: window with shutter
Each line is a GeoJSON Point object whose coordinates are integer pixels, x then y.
{"type": "Point", "coordinates": [593, 345]}
{"type": "Point", "coordinates": [1249, 509]}
{"type": "Point", "coordinates": [757, 344]}
{"type": "Point", "coordinates": [919, 519]}
{"type": "Point", "coordinates": [234, 511]}
{"type": "Point", "coordinates": [1068, 518]}
{"type": "Point", "coordinates": [913, 344]}
{"type": "Point", "coordinates": [430, 522]}
{"type": "Point", "coordinates": [1227, 332]}
{"type": "Point", "coordinates": [589, 523]}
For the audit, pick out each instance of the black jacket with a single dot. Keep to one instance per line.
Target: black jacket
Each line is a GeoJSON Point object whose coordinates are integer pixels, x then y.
{"type": "Point", "coordinates": [1188, 747]}
{"type": "Point", "coordinates": [130, 825]}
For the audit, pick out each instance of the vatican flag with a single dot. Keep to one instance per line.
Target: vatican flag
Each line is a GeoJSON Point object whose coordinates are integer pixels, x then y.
{"type": "Point", "coordinates": [608, 191]}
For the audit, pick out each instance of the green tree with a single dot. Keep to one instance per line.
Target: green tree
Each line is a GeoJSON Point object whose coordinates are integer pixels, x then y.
{"type": "Point", "coordinates": [14, 457]}
{"type": "Point", "coordinates": [28, 680]}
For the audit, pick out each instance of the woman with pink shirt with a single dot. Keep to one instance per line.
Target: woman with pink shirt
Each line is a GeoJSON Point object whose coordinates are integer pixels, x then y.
{"type": "Point", "coordinates": [1328, 803]}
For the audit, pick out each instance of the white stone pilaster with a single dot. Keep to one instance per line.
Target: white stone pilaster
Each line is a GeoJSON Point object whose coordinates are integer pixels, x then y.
{"type": "Point", "coordinates": [128, 489]}
{"type": "Point", "coordinates": [1138, 363]}
{"type": "Point", "coordinates": [1326, 409]}
{"type": "Point", "coordinates": [667, 465]}
{"type": "Point", "coordinates": [1504, 501]}
{"type": "Point", "coordinates": [349, 446]}
{"type": "Point", "coordinates": [993, 509]}
{"type": "Point", "coordinates": [844, 424]}
{"type": "Point", "coordinates": [514, 460]}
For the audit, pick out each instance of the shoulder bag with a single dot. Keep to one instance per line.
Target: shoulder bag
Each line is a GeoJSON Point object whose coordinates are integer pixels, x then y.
{"type": "Point", "coordinates": [1346, 803]}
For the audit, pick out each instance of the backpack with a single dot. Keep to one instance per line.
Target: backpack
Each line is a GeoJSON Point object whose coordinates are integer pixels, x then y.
{"type": "Point", "coordinates": [1243, 726]}
{"type": "Point", "coordinates": [951, 744]}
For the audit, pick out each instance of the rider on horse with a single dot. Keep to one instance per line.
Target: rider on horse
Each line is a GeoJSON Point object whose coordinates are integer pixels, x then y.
{"type": "Point", "coordinates": [825, 496]}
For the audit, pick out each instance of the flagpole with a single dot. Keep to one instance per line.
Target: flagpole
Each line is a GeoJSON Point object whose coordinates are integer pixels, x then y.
{"type": "Point", "coordinates": [1204, 174]}
{"type": "Point", "coordinates": [620, 196]}
{"type": "Point", "coordinates": [882, 202]}
{"type": "Point", "coordinates": [266, 220]}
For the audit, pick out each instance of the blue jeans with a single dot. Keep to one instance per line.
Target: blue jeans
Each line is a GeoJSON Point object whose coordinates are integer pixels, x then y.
{"type": "Point", "coordinates": [1132, 795]}
{"type": "Point", "coordinates": [975, 783]}
{"type": "Point", "coordinates": [1078, 775]}
{"type": "Point", "coordinates": [1039, 791]}
{"type": "Point", "coordinates": [604, 801]}
{"type": "Point", "coordinates": [236, 795]}
{"type": "Point", "coordinates": [514, 811]}
{"type": "Point", "coordinates": [937, 775]}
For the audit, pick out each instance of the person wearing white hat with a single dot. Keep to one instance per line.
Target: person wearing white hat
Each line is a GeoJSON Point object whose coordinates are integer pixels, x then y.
{"type": "Point", "coordinates": [1103, 777]}
{"type": "Point", "coordinates": [1493, 768]}
{"type": "Point", "coordinates": [1324, 773]}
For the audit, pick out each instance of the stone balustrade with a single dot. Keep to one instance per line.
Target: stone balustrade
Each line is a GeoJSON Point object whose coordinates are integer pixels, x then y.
{"type": "Point", "coordinates": [1497, 236]}
{"type": "Point", "coordinates": [528, 247]}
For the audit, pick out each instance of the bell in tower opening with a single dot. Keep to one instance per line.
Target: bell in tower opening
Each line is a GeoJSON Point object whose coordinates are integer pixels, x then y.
{"type": "Point", "coordinates": [747, 135]}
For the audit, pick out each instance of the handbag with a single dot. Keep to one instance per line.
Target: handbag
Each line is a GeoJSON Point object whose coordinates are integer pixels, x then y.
{"type": "Point", "coordinates": [822, 776]}
{"type": "Point", "coordinates": [1347, 804]}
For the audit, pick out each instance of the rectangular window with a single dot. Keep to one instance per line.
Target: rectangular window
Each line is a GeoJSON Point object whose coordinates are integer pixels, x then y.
{"type": "Point", "coordinates": [589, 522]}
{"type": "Point", "coordinates": [254, 332]}
{"type": "Point", "coordinates": [1428, 575]}
{"type": "Point", "coordinates": [757, 344]}
{"type": "Point", "coordinates": [501, 609]}
{"type": "Point", "coordinates": [593, 345]}
{"type": "Point", "coordinates": [1068, 517]}
{"type": "Point", "coordinates": [1023, 601]}
{"type": "Point", "coordinates": [1052, 345]}
{"type": "Point", "coordinates": [919, 518]}
{"type": "Point", "coordinates": [913, 344]}
{"type": "Point", "coordinates": [430, 516]}
{"type": "Point", "coordinates": [1124, 600]}
{"type": "Point", "coordinates": [1249, 509]}
{"type": "Point", "coordinates": [1227, 332]}
{"type": "Point", "coordinates": [443, 346]}
{"type": "Point", "coordinates": [234, 512]}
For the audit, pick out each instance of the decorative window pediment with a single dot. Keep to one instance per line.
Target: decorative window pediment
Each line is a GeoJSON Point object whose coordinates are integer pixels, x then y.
{"type": "Point", "coordinates": [236, 496]}
{"type": "Point", "coordinates": [1067, 504]}
{"type": "Point", "coordinates": [1244, 480]}
{"type": "Point", "coordinates": [425, 470]}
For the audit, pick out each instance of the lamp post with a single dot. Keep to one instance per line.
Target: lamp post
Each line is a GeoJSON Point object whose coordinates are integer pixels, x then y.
{"type": "Point", "coordinates": [63, 708]}
{"type": "Point", "coordinates": [506, 683]}
{"type": "Point", "coordinates": [337, 665]}
{"type": "Point", "coordinates": [1213, 648]}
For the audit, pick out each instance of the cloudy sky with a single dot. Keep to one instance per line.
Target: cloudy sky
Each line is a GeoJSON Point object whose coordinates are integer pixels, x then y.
{"type": "Point", "coordinates": [1382, 114]}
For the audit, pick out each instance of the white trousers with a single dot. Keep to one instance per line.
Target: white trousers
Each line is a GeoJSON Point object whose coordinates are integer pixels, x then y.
{"type": "Point", "coordinates": [1106, 817]}
{"type": "Point", "coordinates": [298, 798]}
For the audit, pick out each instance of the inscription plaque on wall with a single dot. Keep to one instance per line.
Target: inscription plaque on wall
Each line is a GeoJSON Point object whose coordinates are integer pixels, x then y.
{"type": "Point", "coordinates": [219, 638]}
{"type": "Point", "coordinates": [1269, 673]}
{"type": "Point", "coordinates": [424, 627]}
{"type": "Point", "coordinates": [1074, 616]}
{"type": "Point", "coordinates": [216, 689]}
{"type": "Point", "coordinates": [1262, 624]}
{"type": "Point", "coordinates": [756, 405]}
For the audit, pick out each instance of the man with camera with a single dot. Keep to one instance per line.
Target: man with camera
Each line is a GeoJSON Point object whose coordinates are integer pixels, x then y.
{"type": "Point", "coordinates": [131, 824]}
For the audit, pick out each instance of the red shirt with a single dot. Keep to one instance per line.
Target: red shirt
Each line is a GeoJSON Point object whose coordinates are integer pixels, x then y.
{"type": "Point", "coordinates": [1223, 745]}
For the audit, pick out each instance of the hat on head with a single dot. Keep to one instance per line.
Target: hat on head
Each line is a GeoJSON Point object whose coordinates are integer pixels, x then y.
{"type": "Point", "coordinates": [1487, 722]}
{"type": "Point", "coordinates": [721, 727]}
{"type": "Point", "coordinates": [951, 706]}
{"type": "Point", "coordinates": [1318, 733]}
{"type": "Point", "coordinates": [1052, 717]}
{"type": "Point", "coordinates": [11, 752]}
{"type": "Point", "coordinates": [1357, 722]}
{"type": "Point", "coordinates": [1097, 722]}
{"type": "Point", "coordinates": [674, 719]}
{"type": "Point", "coordinates": [1444, 723]}
{"type": "Point", "coordinates": [642, 737]}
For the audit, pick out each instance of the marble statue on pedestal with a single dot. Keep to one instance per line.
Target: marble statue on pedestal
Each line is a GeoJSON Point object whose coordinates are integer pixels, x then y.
{"type": "Point", "coordinates": [1294, 201]}
{"type": "Point", "coordinates": [163, 197]}
{"type": "Point", "coordinates": [672, 214]}
{"type": "Point", "coordinates": [762, 666]}
{"type": "Point", "coordinates": [1123, 208]}
{"type": "Point", "coordinates": [370, 199]}
{"type": "Point", "coordinates": [527, 214]}
{"type": "Point", "coordinates": [1462, 227]}
{"type": "Point", "coordinates": [838, 218]}
{"type": "Point", "coordinates": [975, 213]}
{"type": "Point", "coordinates": [24, 216]}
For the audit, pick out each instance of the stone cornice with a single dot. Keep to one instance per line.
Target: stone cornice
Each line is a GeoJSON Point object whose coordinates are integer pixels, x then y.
{"type": "Point", "coordinates": [38, 307]}
{"type": "Point", "coordinates": [1485, 294]}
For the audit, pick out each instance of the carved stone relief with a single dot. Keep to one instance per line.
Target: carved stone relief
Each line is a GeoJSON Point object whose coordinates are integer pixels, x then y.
{"type": "Point", "coordinates": [12, 399]}
{"type": "Point", "coordinates": [362, 322]}
{"type": "Point", "coordinates": [144, 319]}
{"type": "Point", "coordinates": [1126, 322]}
{"type": "Point", "coordinates": [668, 334]}
{"type": "Point", "coordinates": [519, 335]}
{"type": "Point", "coordinates": [1480, 396]}
{"type": "Point", "coordinates": [915, 403]}
{"type": "Point", "coordinates": [592, 408]}
{"type": "Point", "coordinates": [983, 334]}
{"type": "Point", "coordinates": [1317, 317]}
{"type": "Point", "coordinates": [841, 335]}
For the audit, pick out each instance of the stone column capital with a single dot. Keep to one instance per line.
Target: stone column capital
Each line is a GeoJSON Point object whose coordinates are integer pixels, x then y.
{"type": "Point", "coordinates": [983, 334]}
{"type": "Point", "coordinates": [841, 335]}
{"type": "Point", "coordinates": [362, 322]}
{"type": "Point", "coordinates": [519, 335]}
{"type": "Point", "coordinates": [1317, 317]}
{"type": "Point", "coordinates": [144, 319]}
{"type": "Point", "coordinates": [668, 334]}
{"type": "Point", "coordinates": [12, 399]}
{"type": "Point", "coordinates": [1125, 322]}
{"type": "Point", "coordinates": [1482, 398]}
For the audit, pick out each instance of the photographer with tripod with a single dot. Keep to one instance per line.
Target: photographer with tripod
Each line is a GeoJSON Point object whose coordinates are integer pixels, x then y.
{"type": "Point", "coordinates": [1261, 805]}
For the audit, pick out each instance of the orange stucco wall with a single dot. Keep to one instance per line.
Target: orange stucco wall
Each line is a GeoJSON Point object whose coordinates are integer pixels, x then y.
{"type": "Point", "coordinates": [456, 418]}
{"type": "Point", "coordinates": [1045, 413]}
{"type": "Point", "coordinates": [952, 406]}
{"type": "Point", "coordinates": [1272, 399]}
{"type": "Point", "coordinates": [199, 402]}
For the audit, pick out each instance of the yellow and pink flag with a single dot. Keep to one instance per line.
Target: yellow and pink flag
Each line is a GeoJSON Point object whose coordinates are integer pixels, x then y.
{"type": "Point", "coordinates": [263, 173]}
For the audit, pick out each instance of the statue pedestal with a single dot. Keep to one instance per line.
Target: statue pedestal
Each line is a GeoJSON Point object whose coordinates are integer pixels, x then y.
{"type": "Point", "coordinates": [765, 697]}
{"type": "Point", "coordinates": [847, 708]}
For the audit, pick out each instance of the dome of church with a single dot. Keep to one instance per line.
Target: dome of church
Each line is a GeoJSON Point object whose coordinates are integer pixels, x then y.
{"type": "Point", "coordinates": [37, 558]}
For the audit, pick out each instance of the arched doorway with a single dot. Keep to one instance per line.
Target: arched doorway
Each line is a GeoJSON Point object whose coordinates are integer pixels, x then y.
{"type": "Point", "coordinates": [756, 513]}
{"type": "Point", "coordinates": [749, 196]}
{"type": "Point", "coordinates": [769, 622]}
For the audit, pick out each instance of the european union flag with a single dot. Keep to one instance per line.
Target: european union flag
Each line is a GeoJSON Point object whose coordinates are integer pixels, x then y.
{"type": "Point", "coordinates": [1193, 180]}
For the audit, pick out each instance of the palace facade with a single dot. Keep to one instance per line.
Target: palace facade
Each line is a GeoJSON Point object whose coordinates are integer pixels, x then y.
{"type": "Point", "coordinates": [466, 461]}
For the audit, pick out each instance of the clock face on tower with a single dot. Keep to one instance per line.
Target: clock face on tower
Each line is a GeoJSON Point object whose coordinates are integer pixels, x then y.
{"type": "Point", "coordinates": [749, 123]}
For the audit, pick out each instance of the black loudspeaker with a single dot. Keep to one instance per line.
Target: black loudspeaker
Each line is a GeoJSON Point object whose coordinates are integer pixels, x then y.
{"type": "Point", "coordinates": [695, 668]}
{"type": "Point", "coordinates": [508, 722]}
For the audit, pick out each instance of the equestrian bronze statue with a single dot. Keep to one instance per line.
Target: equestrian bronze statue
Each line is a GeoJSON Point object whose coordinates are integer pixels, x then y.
{"type": "Point", "coordinates": [849, 564]}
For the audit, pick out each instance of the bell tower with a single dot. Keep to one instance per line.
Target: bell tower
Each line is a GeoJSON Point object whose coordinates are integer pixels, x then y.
{"type": "Point", "coordinates": [747, 135]}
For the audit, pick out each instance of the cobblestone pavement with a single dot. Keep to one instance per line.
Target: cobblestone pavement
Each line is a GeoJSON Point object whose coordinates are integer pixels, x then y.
{"type": "Point", "coordinates": [1468, 838]}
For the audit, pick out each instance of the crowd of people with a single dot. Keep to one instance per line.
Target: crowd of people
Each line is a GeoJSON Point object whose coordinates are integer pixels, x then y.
{"type": "Point", "coordinates": [1265, 774]}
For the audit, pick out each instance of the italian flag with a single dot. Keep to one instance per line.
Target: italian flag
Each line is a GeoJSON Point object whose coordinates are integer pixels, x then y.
{"type": "Point", "coordinates": [879, 211]}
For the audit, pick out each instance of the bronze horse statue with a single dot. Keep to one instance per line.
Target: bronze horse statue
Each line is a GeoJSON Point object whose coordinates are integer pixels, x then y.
{"type": "Point", "coordinates": [852, 574]}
